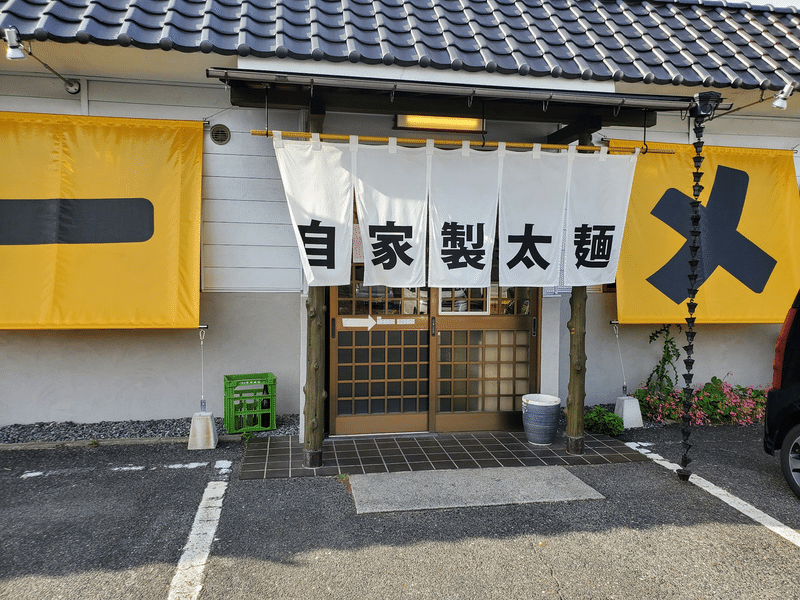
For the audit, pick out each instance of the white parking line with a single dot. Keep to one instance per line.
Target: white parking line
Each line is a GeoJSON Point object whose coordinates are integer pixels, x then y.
{"type": "Point", "coordinates": [743, 507]}
{"type": "Point", "coordinates": [188, 579]}
{"type": "Point", "coordinates": [223, 466]}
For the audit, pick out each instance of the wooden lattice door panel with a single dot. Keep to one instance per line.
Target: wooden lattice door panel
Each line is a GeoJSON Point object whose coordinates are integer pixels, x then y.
{"type": "Point", "coordinates": [483, 369]}
{"type": "Point", "coordinates": [382, 372]}
{"type": "Point", "coordinates": [382, 379]}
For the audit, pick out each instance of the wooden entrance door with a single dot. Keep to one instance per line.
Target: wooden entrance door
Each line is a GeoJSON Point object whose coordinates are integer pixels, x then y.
{"type": "Point", "coordinates": [409, 360]}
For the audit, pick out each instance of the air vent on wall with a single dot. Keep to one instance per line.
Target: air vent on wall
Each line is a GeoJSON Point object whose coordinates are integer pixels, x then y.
{"type": "Point", "coordinates": [220, 135]}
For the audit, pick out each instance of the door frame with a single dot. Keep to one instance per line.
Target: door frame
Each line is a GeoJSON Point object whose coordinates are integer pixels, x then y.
{"type": "Point", "coordinates": [433, 420]}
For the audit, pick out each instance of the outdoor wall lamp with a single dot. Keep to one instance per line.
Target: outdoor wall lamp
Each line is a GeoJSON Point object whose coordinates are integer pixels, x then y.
{"type": "Point", "coordinates": [779, 99]}
{"type": "Point", "coordinates": [430, 123]}
{"type": "Point", "coordinates": [783, 95]}
{"type": "Point", "coordinates": [16, 51]}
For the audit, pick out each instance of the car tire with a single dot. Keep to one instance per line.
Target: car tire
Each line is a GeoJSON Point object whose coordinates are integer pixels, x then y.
{"type": "Point", "coordinates": [790, 459]}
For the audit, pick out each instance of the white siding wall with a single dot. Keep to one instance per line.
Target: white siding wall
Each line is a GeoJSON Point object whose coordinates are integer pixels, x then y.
{"type": "Point", "coordinates": [247, 245]}
{"type": "Point", "coordinates": [248, 241]}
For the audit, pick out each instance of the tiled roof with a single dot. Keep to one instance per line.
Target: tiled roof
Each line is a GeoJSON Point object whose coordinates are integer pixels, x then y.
{"type": "Point", "coordinates": [691, 42]}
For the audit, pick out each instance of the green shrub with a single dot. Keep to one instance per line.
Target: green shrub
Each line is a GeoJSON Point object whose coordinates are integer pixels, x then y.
{"type": "Point", "coordinates": [599, 420]}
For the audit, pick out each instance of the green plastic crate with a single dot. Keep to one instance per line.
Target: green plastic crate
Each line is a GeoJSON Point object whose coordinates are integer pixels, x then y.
{"type": "Point", "coordinates": [249, 402]}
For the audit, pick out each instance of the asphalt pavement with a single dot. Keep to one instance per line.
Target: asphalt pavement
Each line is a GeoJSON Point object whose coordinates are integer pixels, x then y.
{"type": "Point", "coordinates": [116, 521]}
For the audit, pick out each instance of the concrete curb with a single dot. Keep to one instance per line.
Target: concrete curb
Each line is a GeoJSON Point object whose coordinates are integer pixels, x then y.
{"type": "Point", "coordinates": [111, 442]}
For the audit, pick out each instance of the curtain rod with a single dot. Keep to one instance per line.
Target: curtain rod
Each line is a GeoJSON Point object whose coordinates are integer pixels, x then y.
{"type": "Point", "coordinates": [518, 145]}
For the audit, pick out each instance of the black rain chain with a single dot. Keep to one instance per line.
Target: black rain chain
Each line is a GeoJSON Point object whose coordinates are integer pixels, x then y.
{"type": "Point", "coordinates": [702, 111]}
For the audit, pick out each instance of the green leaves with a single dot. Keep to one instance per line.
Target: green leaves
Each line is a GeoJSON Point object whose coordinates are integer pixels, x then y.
{"type": "Point", "coordinates": [599, 420]}
{"type": "Point", "coordinates": [662, 379]}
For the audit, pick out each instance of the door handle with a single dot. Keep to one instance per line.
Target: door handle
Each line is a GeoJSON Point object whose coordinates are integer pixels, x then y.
{"type": "Point", "coordinates": [534, 324]}
{"type": "Point", "coordinates": [433, 326]}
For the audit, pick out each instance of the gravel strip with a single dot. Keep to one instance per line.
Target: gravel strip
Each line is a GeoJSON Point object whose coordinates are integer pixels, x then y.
{"type": "Point", "coordinates": [109, 430]}
{"type": "Point", "coordinates": [163, 428]}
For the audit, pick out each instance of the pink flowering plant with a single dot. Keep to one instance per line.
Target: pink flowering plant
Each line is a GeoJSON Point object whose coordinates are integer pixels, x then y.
{"type": "Point", "coordinates": [660, 407]}
{"type": "Point", "coordinates": [719, 402]}
{"type": "Point", "coordinates": [716, 403]}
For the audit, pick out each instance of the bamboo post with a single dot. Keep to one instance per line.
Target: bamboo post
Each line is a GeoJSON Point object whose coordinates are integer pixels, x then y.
{"type": "Point", "coordinates": [373, 139]}
{"type": "Point", "coordinates": [315, 394]}
{"type": "Point", "coordinates": [577, 370]}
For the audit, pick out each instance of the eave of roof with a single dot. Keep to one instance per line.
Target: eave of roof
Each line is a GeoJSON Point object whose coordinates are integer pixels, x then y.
{"type": "Point", "coordinates": [679, 43]}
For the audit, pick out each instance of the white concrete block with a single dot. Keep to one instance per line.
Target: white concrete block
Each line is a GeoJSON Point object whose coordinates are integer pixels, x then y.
{"type": "Point", "coordinates": [627, 407]}
{"type": "Point", "coordinates": [203, 434]}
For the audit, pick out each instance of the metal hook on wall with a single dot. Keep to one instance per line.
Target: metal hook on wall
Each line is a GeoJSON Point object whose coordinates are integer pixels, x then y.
{"type": "Point", "coordinates": [483, 123]}
{"type": "Point", "coordinates": [644, 134]}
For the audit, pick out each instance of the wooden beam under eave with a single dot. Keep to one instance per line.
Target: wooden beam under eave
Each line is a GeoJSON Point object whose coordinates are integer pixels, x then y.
{"type": "Point", "coordinates": [585, 125]}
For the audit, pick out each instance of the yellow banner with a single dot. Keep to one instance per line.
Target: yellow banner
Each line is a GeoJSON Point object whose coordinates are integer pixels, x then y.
{"type": "Point", "coordinates": [750, 237]}
{"type": "Point", "coordinates": [99, 222]}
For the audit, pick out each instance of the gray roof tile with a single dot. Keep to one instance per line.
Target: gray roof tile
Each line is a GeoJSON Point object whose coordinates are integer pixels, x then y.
{"type": "Point", "coordinates": [690, 42]}
{"type": "Point", "coordinates": [27, 10]}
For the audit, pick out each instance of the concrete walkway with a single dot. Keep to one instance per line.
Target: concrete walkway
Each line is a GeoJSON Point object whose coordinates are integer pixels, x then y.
{"type": "Point", "coordinates": [423, 490]}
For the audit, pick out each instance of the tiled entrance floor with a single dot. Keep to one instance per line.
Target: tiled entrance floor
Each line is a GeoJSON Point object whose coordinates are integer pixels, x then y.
{"type": "Point", "coordinates": [274, 457]}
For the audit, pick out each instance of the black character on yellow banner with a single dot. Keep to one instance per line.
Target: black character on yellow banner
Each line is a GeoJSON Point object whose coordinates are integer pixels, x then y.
{"type": "Point", "coordinates": [721, 245]}
{"type": "Point", "coordinates": [37, 222]}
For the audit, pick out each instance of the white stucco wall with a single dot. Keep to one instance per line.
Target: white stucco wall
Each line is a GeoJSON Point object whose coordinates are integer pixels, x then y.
{"type": "Point", "coordinates": [738, 353]}
{"type": "Point", "coordinates": [90, 376]}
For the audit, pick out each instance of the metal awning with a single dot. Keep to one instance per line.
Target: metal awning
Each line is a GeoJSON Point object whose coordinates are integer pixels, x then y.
{"type": "Point", "coordinates": [635, 101]}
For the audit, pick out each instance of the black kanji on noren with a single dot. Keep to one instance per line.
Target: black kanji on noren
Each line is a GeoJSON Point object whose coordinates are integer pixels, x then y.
{"type": "Point", "coordinates": [593, 245]}
{"type": "Point", "coordinates": [528, 253]}
{"type": "Point", "coordinates": [390, 244]}
{"type": "Point", "coordinates": [320, 244]}
{"type": "Point", "coordinates": [721, 246]}
{"type": "Point", "coordinates": [456, 254]}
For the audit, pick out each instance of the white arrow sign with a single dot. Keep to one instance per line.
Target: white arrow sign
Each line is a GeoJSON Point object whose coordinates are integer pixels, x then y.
{"type": "Point", "coordinates": [369, 323]}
